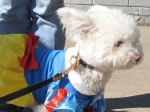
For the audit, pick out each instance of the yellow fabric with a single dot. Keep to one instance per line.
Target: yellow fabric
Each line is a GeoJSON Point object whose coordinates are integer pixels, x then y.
{"type": "Point", "coordinates": [12, 78]}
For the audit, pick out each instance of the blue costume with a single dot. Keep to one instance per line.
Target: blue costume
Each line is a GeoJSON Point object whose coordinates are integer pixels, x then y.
{"type": "Point", "coordinates": [50, 63]}
{"type": "Point", "coordinates": [58, 96]}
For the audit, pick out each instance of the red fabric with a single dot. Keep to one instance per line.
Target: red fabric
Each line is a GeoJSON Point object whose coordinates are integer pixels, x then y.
{"type": "Point", "coordinates": [29, 61]}
{"type": "Point", "coordinates": [60, 96]}
{"type": "Point", "coordinates": [89, 109]}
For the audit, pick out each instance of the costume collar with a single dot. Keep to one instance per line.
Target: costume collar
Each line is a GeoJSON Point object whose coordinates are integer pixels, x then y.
{"type": "Point", "coordinates": [65, 83]}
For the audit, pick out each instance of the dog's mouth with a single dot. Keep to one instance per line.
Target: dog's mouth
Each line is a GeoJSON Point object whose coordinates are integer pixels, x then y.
{"type": "Point", "coordinates": [132, 62]}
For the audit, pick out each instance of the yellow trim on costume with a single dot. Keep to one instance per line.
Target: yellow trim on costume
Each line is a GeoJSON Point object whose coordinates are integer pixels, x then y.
{"type": "Point", "coordinates": [12, 48]}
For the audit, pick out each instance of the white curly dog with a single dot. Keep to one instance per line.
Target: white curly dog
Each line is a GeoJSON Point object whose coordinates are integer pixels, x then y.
{"type": "Point", "coordinates": [106, 40]}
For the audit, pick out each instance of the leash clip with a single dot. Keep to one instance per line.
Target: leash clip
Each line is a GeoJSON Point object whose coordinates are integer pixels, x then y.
{"type": "Point", "coordinates": [62, 74]}
{"type": "Point", "coordinates": [76, 63]}
{"type": "Point", "coordinates": [59, 76]}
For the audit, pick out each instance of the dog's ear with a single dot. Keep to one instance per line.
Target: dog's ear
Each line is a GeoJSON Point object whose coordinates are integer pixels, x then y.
{"type": "Point", "coordinates": [74, 20]}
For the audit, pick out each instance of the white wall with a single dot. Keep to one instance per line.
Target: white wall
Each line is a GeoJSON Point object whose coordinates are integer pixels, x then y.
{"type": "Point", "coordinates": [140, 9]}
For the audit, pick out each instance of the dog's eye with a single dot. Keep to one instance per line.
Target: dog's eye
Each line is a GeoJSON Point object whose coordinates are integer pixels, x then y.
{"type": "Point", "coordinates": [118, 43]}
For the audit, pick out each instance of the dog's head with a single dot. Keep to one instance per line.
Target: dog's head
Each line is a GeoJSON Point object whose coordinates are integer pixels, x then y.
{"type": "Point", "coordinates": [106, 38]}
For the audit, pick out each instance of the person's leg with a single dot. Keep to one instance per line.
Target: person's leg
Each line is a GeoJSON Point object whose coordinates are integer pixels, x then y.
{"type": "Point", "coordinates": [14, 16]}
{"type": "Point", "coordinates": [46, 24]}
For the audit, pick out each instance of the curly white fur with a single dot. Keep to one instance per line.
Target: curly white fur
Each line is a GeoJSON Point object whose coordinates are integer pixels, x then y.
{"type": "Point", "coordinates": [40, 108]}
{"type": "Point", "coordinates": [107, 39]}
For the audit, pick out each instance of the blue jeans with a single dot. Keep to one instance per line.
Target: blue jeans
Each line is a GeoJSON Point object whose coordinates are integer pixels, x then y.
{"type": "Point", "coordinates": [20, 16]}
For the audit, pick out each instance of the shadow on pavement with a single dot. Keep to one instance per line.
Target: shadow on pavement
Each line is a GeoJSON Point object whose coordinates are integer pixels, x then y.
{"type": "Point", "coordinates": [113, 104]}
{"type": "Point", "coordinates": [139, 101]}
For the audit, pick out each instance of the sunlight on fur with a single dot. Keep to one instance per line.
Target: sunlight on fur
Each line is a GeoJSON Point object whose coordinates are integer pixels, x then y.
{"type": "Point", "coordinates": [105, 38]}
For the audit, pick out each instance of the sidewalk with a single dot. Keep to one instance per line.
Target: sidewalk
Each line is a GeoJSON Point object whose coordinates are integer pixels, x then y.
{"type": "Point", "coordinates": [129, 91]}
